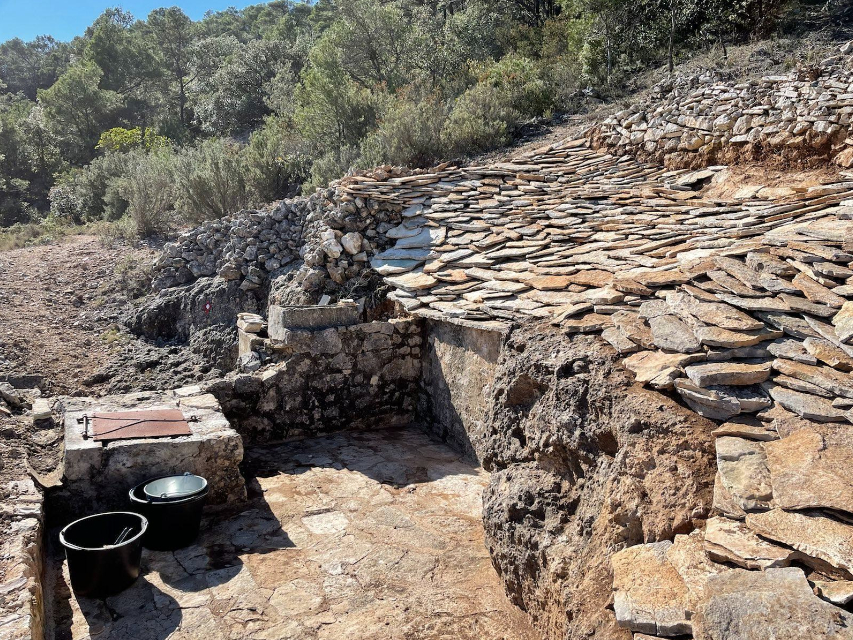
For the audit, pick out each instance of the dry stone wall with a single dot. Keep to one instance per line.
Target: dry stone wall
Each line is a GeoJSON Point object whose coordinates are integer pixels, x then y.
{"type": "Point", "coordinates": [21, 562]}
{"type": "Point", "coordinates": [246, 246]}
{"type": "Point", "coordinates": [340, 377]}
{"type": "Point", "coordinates": [311, 245]}
{"type": "Point", "coordinates": [706, 119]}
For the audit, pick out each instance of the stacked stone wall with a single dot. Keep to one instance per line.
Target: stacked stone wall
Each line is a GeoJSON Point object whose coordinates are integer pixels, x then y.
{"type": "Point", "coordinates": [21, 562]}
{"type": "Point", "coordinates": [322, 242]}
{"type": "Point", "coordinates": [707, 118]}
{"type": "Point", "coordinates": [245, 246]}
{"type": "Point", "coordinates": [354, 377]}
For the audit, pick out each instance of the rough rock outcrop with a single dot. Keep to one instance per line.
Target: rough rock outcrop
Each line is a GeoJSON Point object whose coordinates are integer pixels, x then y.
{"type": "Point", "coordinates": [203, 314]}
{"type": "Point", "coordinates": [583, 463]}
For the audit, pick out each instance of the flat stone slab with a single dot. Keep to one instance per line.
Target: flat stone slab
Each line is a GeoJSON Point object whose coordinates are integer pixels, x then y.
{"type": "Point", "coordinates": [650, 596]}
{"type": "Point", "coordinates": [825, 543]}
{"type": "Point", "coordinates": [732, 541]}
{"type": "Point", "coordinates": [98, 475]}
{"type": "Point", "coordinates": [312, 317]}
{"type": "Point", "coordinates": [776, 604]}
{"type": "Point", "coordinates": [813, 468]}
{"type": "Point", "coordinates": [727, 373]}
{"type": "Point", "coordinates": [371, 536]}
{"type": "Point", "coordinates": [742, 465]}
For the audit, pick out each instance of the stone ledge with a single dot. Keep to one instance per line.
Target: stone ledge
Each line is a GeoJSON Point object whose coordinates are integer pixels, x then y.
{"type": "Point", "coordinates": [281, 319]}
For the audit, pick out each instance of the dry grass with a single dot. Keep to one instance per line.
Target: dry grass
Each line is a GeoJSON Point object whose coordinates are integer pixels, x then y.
{"type": "Point", "coordinates": [50, 231]}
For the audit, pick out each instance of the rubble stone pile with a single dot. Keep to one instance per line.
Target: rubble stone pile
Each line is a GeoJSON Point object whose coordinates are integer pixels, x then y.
{"type": "Point", "coordinates": [245, 246]}
{"type": "Point", "coordinates": [705, 118]}
{"type": "Point", "coordinates": [332, 234]}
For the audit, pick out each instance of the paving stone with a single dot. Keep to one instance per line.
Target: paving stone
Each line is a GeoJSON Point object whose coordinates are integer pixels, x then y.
{"type": "Point", "coordinates": [828, 353]}
{"type": "Point", "coordinates": [843, 322]}
{"type": "Point", "coordinates": [719, 337]}
{"type": "Point", "coordinates": [791, 350]}
{"type": "Point", "coordinates": [724, 503]}
{"type": "Point", "coordinates": [791, 325]}
{"type": "Point", "coordinates": [727, 373]}
{"type": "Point", "coordinates": [806, 405]}
{"type": "Point", "coordinates": [634, 328]}
{"type": "Point", "coordinates": [393, 267]}
{"type": "Point", "coordinates": [817, 292]}
{"type": "Point", "coordinates": [426, 237]}
{"type": "Point", "coordinates": [716, 313]}
{"type": "Point", "coordinates": [549, 283]}
{"type": "Point", "coordinates": [618, 341]}
{"type": "Point", "coordinates": [317, 550]}
{"type": "Point", "coordinates": [710, 403]}
{"type": "Point", "coordinates": [811, 468]}
{"type": "Point", "coordinates": [823, 377]}
{"type": "Point", "coordinates": [590, 323]}
{"type": "Point", "coordinates": [775, 604]}
{"type": "Point", "coordinates": [671, 334]}
{"type": "Point", "coordinates": [751, 398]}
{"type": "Point", "coordinates": [414, 281]}
{"type": "Point", "coordinates": [801, 386]}
{"type": "Point", "coordinates": [822, 540]}
{"type": "Point", "coordinates": [688, 557]}
{"type": "Point", "coordinates": [732, 541]}
{"type": "Point", "coordinates": [649, 594]}
{"type": "Point", "coordinates": [747, 427]}
{"type": "Point", "coordinates": [656, 368]}
{"type": "Point", "coordinates": [743, 470]}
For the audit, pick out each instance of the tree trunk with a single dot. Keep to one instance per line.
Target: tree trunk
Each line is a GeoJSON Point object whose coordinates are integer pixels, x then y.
{"type": "Point", "coordinates": [182, 99]}
{"type": "Point", "coordinates": [671, 34]}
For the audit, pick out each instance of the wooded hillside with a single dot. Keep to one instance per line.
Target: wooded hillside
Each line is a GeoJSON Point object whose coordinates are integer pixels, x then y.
{"type": "Point", "coordinates": [145, 117]}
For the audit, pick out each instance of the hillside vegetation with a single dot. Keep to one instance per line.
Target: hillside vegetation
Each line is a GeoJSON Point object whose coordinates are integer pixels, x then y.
{"type": "Point", "coordinates": [164, 120]}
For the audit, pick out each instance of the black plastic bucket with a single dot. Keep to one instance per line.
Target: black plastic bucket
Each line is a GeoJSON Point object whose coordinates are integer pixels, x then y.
{"type": "Point", "coordinates": [172, 523]}
{"type": "Point", "coordinates": [104, 552]}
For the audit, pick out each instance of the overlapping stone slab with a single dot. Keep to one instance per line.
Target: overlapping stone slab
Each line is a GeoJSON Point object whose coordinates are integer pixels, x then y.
{"type": "Point", "coordinates": [738, 307]}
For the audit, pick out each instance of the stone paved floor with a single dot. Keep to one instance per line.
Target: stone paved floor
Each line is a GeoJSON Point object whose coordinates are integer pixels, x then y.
{"type": "Point", "coordinates": [353, 536]}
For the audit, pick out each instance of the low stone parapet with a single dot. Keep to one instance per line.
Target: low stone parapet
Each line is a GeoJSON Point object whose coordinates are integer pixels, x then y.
{"type": "Point", "coordinates": [311, 317]}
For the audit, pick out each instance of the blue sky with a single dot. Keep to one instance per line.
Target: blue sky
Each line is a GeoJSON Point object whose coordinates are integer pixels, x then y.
{"type": "Point", "coordinates": [64, 19]}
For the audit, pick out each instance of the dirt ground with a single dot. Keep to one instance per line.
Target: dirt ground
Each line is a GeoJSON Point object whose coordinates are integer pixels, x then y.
{"type": "Point", "coordinates": [59, 308]}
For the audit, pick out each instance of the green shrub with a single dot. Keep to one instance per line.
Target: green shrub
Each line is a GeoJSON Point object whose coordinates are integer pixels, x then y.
{"type": "Point", "coordinates": [481, 119]}
{"type": "Point", "coordinates": [210, 181]}
{"type": "Point", "coordinates": [408, 134]}
{"type": "Point", "coordinates": [330, 166]}
{"type": "Point", "coordinates": [148, 188]}
{"type": "Point", "coordinates": [89, 193]}
{"type": "Point", "coordinates": [522, 84]}
{"type": "Point", "coordinates": [276, 161]}
{"type": "Point", "coordinates": [508, 91]}
{"type": "Point", "coordinates": [119, 139]}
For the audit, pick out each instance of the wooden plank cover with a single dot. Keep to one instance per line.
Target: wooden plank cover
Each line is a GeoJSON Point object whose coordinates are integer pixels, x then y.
{"type": "Point", "coordinates": [122, 425]}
